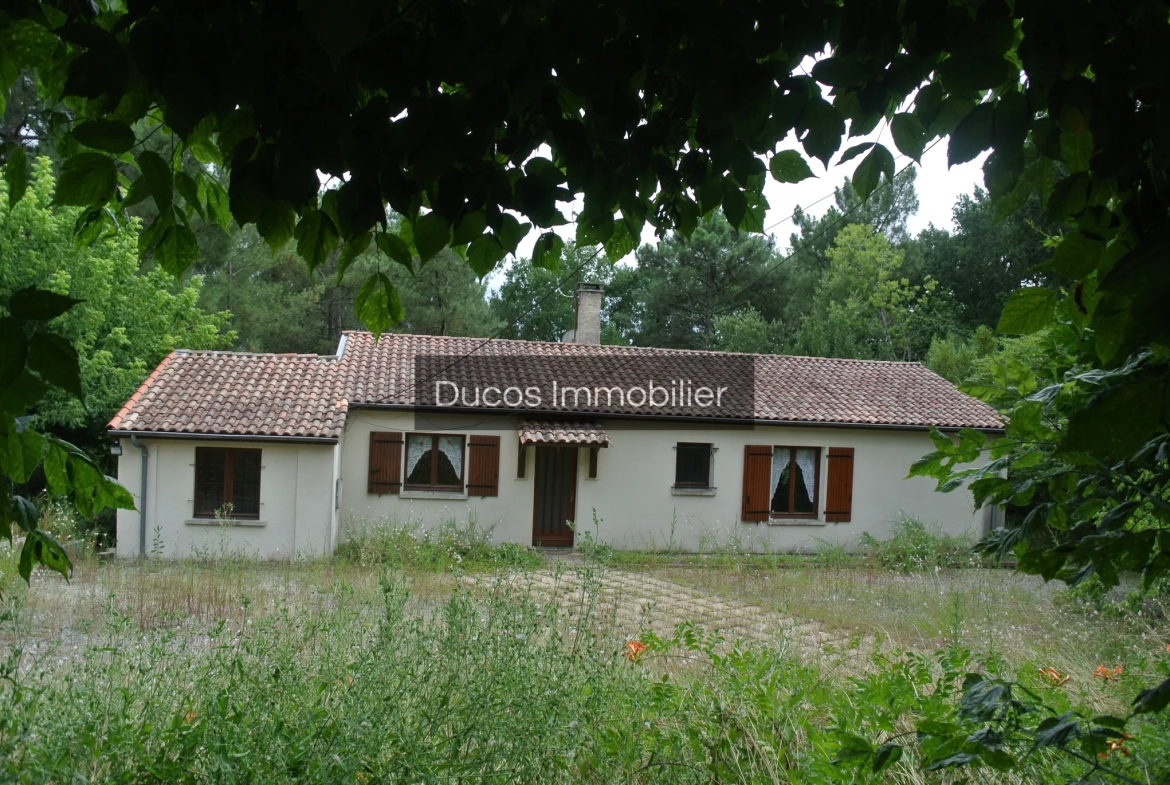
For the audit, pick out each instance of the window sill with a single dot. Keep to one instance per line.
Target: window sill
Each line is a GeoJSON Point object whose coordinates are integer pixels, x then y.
{"type": "Point", "coordinates": [674, 491]}
{"type": "Point", "coordinates": [242, 522]}
{"type": "Point", "coordinates": [433, 495]}
{"type": "Point", "coordinates": [795, 522]}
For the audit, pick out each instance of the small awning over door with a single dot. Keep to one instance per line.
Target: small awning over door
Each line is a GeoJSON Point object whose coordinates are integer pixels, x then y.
{"type": "Point", "coordinates": [589, 434]}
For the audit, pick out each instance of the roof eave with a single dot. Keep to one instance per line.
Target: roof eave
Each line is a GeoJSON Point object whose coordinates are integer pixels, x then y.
{"type": "Point", "coordinates": [251, 437]}
{"type": "Point", "coordinates": [672, 418]}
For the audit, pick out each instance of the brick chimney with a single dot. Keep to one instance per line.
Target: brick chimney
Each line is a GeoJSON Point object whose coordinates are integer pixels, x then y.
{"type": "Point", "coordinates": [588, 330]}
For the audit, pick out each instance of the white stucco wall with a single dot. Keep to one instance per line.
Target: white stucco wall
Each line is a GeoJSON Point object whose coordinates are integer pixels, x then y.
{"type": "Point", "coordinates": [297, 515]}
{"type": "Point", "coordinates": [632, 495]}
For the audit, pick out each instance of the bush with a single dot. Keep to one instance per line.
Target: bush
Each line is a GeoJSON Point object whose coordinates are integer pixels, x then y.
{"type": "Point", "coordinates": [439, 548]}
{"type": "Point", "coordinates": [915, 547]}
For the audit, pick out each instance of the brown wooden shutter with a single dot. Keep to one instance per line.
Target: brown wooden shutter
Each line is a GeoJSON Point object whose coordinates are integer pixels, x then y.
{"type": "Point", "coordinates": [483, 467]}
{"type": "Point", "coordinates": [839, 495]}
{"type": "Point", "coordinates": [757, 482]}
{"type": "Point", "coordinates": [385, 462]}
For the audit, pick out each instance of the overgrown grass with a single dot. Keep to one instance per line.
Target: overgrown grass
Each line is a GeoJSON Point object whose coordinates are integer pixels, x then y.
{"type": "Point", "coordinates": [440, 548]}
{"type": "Point", "coordinates": [388, 665]}
{"type": "Point", "coordinates": [367, 684]}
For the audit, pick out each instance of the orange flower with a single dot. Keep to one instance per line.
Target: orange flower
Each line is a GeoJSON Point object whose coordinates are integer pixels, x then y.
{"type": "Point", "coordinates": [1102, 672]}
{"type": "Point", "coordinates": [634, 650]}
{"type": "Point", "coordinates": [1116, 745]}
{"type": "Point", "coordinates": [1168, 647]}
{"type": "Point", "coordinates": [1054, 677]}
{"type": "Point", "coordinates": [190, 716]}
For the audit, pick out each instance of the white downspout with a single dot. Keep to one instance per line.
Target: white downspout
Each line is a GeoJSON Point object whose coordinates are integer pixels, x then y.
{"type": "Point", "coordinates": [142, 496]}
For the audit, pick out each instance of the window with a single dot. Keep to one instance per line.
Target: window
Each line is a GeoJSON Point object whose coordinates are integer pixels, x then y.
{"type": "Point", "coordinates": [434, 462]}
{"type": "Point", "coordinates": [227, 480]}
{"type": "Point", "coordinates": [795, 479]}
{"type": "Point", "coordinates": [692, 465]}
{"type": "Point", "coordinates": [593, 453]}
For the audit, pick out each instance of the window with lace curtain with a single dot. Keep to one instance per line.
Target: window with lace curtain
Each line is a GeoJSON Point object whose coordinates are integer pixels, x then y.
{"type": "Point", "coordinates": [795, 480]}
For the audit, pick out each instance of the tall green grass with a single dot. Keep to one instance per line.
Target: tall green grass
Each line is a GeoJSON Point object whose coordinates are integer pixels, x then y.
{"type": "Point", "coordinates": [492, 685]}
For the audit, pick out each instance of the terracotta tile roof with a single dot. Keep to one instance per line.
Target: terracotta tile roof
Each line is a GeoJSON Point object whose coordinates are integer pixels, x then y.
{"type": "Point", "coordinates": [786, 389]}
{"type": "Point", "coordinates": [239, 394]}
{"type": "Point", "coordinates": [557, 432]}
{"type": "Point", "coordinates": [308, 396]}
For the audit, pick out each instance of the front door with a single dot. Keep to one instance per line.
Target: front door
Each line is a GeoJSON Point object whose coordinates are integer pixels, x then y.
{"type": "Point", "coordinates": [554, 501]}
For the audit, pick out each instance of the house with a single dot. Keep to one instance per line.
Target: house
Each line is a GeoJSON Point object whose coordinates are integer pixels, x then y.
{"type": "Point", "coordinates": [283, 455]}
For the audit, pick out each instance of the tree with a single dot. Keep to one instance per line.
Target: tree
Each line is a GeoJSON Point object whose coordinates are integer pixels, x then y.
{"type": "Point", "coordinates": [687, 283]}
{"type": "Point", "coordinates": [863, 308]}
{"type": "Point", "coordinates": [125, 321]}
{"type": "Point", "coordinates": [747, 331]}
{"type": "Point", "coordinates": [279, 305]}
{"type": "Point", "coordinates": [538, 303]}
{"type": "Point", "coordinates": [886, 213]}
{"type": "Point", "coordinates": [445, 298]}
{"type": "Point", "coordinates": [985, 260]}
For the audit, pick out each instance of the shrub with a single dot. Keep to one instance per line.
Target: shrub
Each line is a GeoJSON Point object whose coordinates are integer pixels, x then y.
{"type": "Point", "coordinates": [915, 547]}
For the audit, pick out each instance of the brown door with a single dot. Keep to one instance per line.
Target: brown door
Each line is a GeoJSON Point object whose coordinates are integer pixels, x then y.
{"type": "Point", "coordinates": [554, 501]}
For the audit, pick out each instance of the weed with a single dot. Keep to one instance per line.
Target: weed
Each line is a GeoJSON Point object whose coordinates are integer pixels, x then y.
{"type": "Point", "coordinates": [440, 548]}
{"type": "Point", "coordinates": [915, 547]}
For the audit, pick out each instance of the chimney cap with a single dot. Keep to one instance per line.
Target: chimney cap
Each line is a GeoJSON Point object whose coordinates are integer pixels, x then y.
{"type": "Point", "coordinates": [590, 286]}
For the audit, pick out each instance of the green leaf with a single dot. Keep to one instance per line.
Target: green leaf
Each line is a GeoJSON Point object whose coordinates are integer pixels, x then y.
{"type": "Point", "coordinates": [1002, 171]}
{"type": "Point", "coordinates": [1076, 150]}
{"type": "Point", "coordinates": [316, 238]}
{"type": "Point", "coordinates": [218, 204]}
{"type": "Point", "coordinates": [177, 249]}
{"type": "Point", "coordinates": [138, 192]}
{"type": "Point", "coordinates": [13, 350]}
{"type": "Point", "coordinates": [1027, 311]}
{"type": "Point", "coordinates": [16, 175]}
{"type": "Point", "coordinates": [377, 305]}
{"type": "Point", "coordinates": [351, 251]}
{"type": "Point", "coordinates": [431, 235]}
{"type": "Point", "coordinates": [909, 135]}
{"type": "Point", "coordinates": [854, 151]}
{"type": "Point", "coordinates": [187, 187]}
{"type": "Point", "coordinates": [55, 360]}
{"type": "Point", "coordinates": [85, 179]}
{"type": "Point", "coordinates": [1152, 700]}
{"type": "Point", "coordinates": [18, 395]}
{"type": "Point", "coordinates": [20, 511]}
{"type": "Point", "coordinates": [852, 746]}
{"type": "Point", "coordinates": [789, 166]}
{"type": "Point", "coordinates": [396, 248]}
{"type": "Point", "coordinates": [470, 227]}
{"type": "Point", "coordinates": [511, 232]}
{"type": "Point", "coordinates": [111, 136]}
{"type": "Point", "coordinates": [887, 755]}
{"type": "Point", "coordinates": [868, 173]}
{"type": "Point", "coordinates": [276, 223]}
{"type": "Point", "coordinates": [824, 128]}
{"type": "Point", "coordinates": [484, 253]}
{"type": "Point", "coordinates": [39, 305]}
{"type": "Point", "coordinates": [546, 254]}
{"type": "Point", "coordinates": [734, 205]}
{"type": "Point", "coordinates": [972, 136]}
{"type": "Point", "coordinates": [158, 178]}
{"type": "Point", "coordinates": [1117, 420]}
{"type": "Point", "coordinates": [69, 471]}
{"type": "Point", "coordinates": [1076, 256]}
{"type": "Point", "coordinates": [41, 547]}
{"type": "Point", "coordinates": [20, 451]}
{"type": "Point", "coordinates": [1056, 731]}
